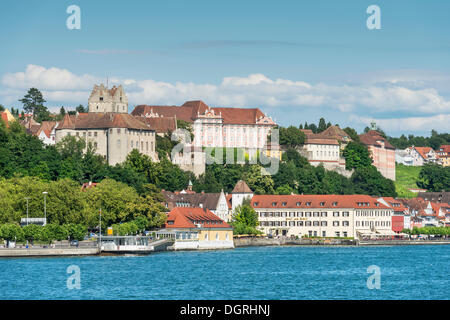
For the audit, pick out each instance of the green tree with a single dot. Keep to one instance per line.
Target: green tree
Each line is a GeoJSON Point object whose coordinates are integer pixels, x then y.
{"type": "Point", "coordinates": [33, 101]}
{"type": "Point", "coordinates": [356, 156]}
{"type": "Point", "coordinates": [245, 220]}
{"type": "Point", "coordinates": [434, 178]}
{"type": "Point", "coordinates": [11, 232]}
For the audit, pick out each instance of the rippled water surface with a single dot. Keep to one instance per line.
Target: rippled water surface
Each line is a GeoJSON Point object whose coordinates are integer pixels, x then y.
{"type": "Point", "coordinates": [407, 272]}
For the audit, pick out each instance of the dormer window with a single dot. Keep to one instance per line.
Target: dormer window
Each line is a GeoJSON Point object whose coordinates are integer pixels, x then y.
{"type": "Point", "coordinates": [322, 204]}
{"type": "Point", "coordinates": [308, 204]}
{"type": "Point", "coordinates": [284, 204]}
{"type": "Point", "coordinates": [255, 204]}
{"type": "Point", "coordinates": [274, 204]}
{"type": "Point", "coordinates": [335, 204]}
{"type": "Point", "coordinates": [298, 204]}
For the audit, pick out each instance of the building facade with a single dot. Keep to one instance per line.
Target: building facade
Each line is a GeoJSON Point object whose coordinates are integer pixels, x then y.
{"type": "Point", "coordinates": [104, 100]}
{"type": "Point", "coordinates": [217, 127]}
{"type": "Point", "coordinates": [382, 153]}
{"type": "Point", "coordinates": [322, 215]}
{"type": "Point", "coordinates": [199, 228]}
{"type": "Point", "coordinates": [108, 127]}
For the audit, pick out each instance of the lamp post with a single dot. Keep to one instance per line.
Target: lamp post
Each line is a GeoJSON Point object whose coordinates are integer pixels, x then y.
{"type": "Point", "coordinates": [27, 198]}
{"type": "Point", "coordinates": [45, 206]}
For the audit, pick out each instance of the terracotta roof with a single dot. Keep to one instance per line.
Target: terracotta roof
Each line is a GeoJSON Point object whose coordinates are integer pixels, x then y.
{"type": "Point", "coordinates": [207, 200]}
{"type": "Point", "coordinates": [102, 121]}
{"type": "Point", "coordinates": [183, 217]}
{"type": "Point", "coordinates": [318, 138]}
{"type": "Point", "coordinates": [160, 124]}
{"type": "Point", "coordinates": [316, 201]}
{"type": "Point", "coordinates": [337, 133]}
{"type": "Point", "coordinates": [423, 151]}
{"type": "Point", "coordinates": [241, 187]}
{"type": "Point", "coordinates": [192, 110]}
{"type": "Point", "coordinates": [372, 137]}
{"type": "Point", "coordinates": [445, 148]}
{"type": "Point", "coordinates": [46, 127]}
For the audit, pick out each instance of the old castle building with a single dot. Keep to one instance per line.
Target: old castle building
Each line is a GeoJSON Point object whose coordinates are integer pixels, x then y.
{"type": "Point", "coordinates": [103, 99]}
{"type": "Point", "coordinates": [109, 128]}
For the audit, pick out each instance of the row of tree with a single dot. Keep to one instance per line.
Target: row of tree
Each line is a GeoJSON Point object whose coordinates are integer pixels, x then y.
{"type": "Point", "coordinates": [437, 231]}
{"type": "Point", "coordinates": [45, 234]}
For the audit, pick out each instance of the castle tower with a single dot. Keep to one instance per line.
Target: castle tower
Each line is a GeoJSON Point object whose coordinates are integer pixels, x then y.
{"type": "Point", "coordinates": [103, 99]}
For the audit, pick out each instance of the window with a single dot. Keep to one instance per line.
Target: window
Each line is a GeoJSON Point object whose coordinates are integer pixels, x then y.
{"type": "Point", "coordinates": [101, 98]}
{"type": "Point", "coordinates": [308, 223]}
{"type": "Point", "coordinates": [132, 144]}
{"type": "Point", "coordinates": [118, 143]}
{"type": "Point", "coordinates": [316, 223]}
{"type": "Point", "coordinates": [335, 223]}
{"type": "Point", "coordinates": [336, 214]}
{"type": "Point", "coordinates": [95, 134]}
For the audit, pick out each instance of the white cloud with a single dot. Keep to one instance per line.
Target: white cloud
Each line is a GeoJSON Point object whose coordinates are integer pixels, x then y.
{"type": "Point", "coordinates": [385, 94]}
{"type": "Point", "coordinates": [48, 79]}
{"type": "Point", "coordinates": [423, 124]}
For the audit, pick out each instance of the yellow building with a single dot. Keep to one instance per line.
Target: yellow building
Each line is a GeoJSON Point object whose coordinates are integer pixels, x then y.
{"type": "Point", "coordinates": [199, 228]}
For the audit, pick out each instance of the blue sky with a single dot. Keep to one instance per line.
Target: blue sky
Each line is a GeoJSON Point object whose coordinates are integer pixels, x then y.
{"type": "Point", "coordinates": [296, 60]}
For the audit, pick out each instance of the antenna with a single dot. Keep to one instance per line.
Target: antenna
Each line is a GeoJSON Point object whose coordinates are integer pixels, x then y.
{"type": "Point", "coordinates": [107, 82]}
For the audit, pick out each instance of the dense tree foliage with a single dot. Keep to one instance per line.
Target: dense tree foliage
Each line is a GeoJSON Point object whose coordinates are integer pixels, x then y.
{"type": "Point", "coordinates": [434, 141]}
{"type": "Point", "coordinates": [245, 219]}
{"type": "Point", "coordinates": [434, 178]}
{"type": "Point", "coordinates": [356, 156]}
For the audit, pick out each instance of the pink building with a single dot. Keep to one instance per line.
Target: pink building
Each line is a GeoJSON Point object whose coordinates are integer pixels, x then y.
{"type": "Point", "coordinates": [217, 127]}
{"type": "Point", "coordinates": [383, 153]}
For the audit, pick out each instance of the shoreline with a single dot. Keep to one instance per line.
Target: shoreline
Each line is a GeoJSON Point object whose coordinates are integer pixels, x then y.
{"type": "Point", "coordinates": [238, 243]}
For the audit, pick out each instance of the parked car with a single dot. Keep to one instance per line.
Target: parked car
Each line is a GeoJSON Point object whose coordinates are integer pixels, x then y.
{"type": "Point", "coordinates": [74, 243]}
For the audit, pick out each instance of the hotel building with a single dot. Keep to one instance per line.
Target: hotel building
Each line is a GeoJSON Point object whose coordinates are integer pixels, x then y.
{"type": "Point", "coordinates": [322, 215]}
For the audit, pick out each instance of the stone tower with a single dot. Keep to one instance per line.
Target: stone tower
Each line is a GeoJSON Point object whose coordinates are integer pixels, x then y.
{"type": "Point", "coordinates": [103, 99]}
{"type": "Point", "coordinates": [240, 192]}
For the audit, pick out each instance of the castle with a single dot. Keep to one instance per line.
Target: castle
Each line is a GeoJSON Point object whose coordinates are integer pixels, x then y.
{"type": "Point", "coordinates": [109, 128]}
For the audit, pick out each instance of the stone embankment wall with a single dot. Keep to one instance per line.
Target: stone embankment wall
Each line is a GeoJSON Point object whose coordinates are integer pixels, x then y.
{"type": "Point", "coordinates": [245, 242]}
{"type": "Point", "coordinates": [47, 252]}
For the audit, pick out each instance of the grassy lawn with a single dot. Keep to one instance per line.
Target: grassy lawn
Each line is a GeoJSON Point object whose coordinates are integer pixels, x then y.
{"type": "Point", "coordinates": [406, 177]}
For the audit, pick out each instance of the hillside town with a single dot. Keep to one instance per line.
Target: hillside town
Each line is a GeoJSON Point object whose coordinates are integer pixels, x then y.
{"type": "Point", "coordinates": [207, 220]}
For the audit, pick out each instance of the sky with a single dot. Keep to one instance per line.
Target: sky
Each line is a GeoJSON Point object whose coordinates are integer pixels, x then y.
{"type": "Point", "coordinates": [295, 60]}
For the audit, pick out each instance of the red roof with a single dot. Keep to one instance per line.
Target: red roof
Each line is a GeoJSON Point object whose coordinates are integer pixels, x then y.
{"type": "Point", "coordinates": [423, 151]}
{"type": "Point", "coordinates": [187, 217]}
{"type": "Point", "coordinates": [445, 148]}
{"type": "Point", "coordinates": [102, 121]}
{"type": "Point", "coordinates": [373, 137]}
{"type": "Point", "coordinates": [316, 201]}
{"type": "Point", "coordinates": [192, 110]}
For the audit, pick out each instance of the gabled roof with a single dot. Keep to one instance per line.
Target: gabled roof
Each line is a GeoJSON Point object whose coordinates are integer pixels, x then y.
{"type": "Point", "coordinates": [185, 217]}
{"type": "Point", "coordinates": [444, 148]}
{"type": "Point", "coordinates": [423, 151]}
{"type": "Point", "coordinates": [207, 200]}
{"type": "Point", "coordinates": [337, 133]}
{"type": "Point", "coordinates": [47, 127]}
{"type": "Point", "coordinates": [372, 137]}
{"type": "Point", "coordinates": [241, 187]}
{"type": "Point", "coordinates": [102, 121]}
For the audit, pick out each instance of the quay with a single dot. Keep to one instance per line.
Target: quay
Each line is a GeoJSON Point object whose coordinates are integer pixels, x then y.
{"type": "Point", "coordinates": [48, 252]}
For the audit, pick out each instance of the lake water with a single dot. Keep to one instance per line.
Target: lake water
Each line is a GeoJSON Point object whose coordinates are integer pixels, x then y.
{"type": "Point", "coordinates": [407, 272]}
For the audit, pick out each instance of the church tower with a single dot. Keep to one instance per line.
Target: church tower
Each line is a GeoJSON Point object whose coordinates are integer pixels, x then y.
{"type": "Point", "coordinates": [103, 99]}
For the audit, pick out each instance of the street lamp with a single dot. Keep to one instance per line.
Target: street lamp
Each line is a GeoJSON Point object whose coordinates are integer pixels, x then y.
{"type": "Point", "coordinates": [45, 206]}
{"type": "Point", "coordinates": [27, 198]}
